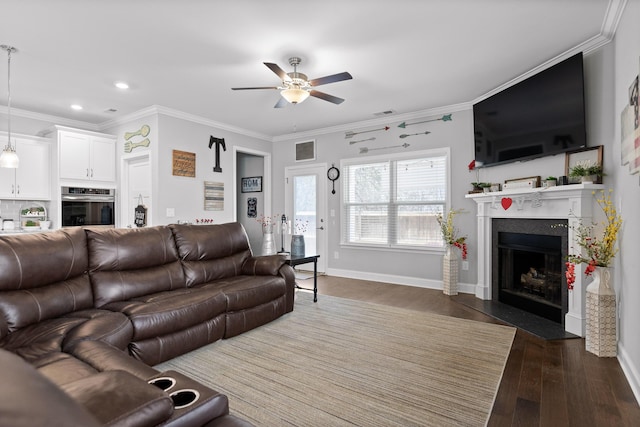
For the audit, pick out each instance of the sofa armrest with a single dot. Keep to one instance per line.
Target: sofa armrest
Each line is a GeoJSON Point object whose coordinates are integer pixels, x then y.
{"type": "Point", "coordinates": [268, 265]}
{"type": "Point", "coordinates": [28, 398]}
{"type": "Point", "coordinates": [117, 398]}
{"type": "Point", "coordinates": [104, 357]}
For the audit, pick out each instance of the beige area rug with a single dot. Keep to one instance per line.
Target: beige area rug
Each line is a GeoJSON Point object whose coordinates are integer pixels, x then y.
{"type": "Point", "coordinates": [343, 362]}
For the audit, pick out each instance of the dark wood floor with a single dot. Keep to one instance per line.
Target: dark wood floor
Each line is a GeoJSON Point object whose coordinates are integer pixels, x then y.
{"type": "Point", "coordinates": [545, 383]}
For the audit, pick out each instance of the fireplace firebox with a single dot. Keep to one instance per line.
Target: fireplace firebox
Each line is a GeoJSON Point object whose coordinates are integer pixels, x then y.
{"type": "Point", "coordinates": [529, 266]}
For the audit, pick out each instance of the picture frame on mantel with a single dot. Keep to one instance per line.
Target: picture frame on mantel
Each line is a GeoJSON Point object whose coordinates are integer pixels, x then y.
{"type": "Point", "coordinates": [589, 154]}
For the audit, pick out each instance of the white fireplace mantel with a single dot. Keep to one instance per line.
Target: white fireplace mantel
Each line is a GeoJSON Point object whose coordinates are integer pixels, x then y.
{"type": "Point", "coordinates": [571, 202]}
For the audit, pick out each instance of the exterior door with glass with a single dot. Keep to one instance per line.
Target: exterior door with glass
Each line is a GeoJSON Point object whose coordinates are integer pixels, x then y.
{"type": "Point", "coordinates": [305, 206]}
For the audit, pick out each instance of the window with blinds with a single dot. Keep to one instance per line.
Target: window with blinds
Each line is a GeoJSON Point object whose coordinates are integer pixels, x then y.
{"type": "Point", "coordinates": [393, 201]}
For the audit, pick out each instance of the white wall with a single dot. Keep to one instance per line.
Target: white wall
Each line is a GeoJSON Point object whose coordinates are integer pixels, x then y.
{"type": "Point", "coordinates": [627, 197]}
{"type": "Point", "coordinates": [186, 194]}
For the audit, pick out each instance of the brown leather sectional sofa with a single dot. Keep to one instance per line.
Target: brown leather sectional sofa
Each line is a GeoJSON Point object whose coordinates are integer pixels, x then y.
{"type": "Point", "coordinates": [91, 311]}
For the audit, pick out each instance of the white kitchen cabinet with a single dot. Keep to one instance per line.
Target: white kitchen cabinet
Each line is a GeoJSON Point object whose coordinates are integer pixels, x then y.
{"type": "Point", "coordinates": [87, 157]}
{"type": "Point", "coordinates": [32, 179]}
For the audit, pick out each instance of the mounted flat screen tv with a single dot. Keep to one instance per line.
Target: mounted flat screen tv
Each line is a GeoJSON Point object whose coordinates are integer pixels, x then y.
{"type": "Point", "coordinates": [540, 116]}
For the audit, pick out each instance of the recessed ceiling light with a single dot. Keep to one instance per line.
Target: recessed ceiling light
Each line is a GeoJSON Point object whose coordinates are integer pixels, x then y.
{"type": "Point", "coordinates": [121, 85]}
{"type": "Point", "coordinates": [76, 107]}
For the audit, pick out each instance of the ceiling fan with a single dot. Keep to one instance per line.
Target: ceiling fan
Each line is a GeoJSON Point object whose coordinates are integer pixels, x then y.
{"type": "Point", "coordinates": [296, 88]}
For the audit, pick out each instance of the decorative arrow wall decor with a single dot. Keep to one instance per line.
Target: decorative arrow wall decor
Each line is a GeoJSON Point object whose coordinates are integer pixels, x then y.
{"type": "Point", "coordinates": [351, 134]}
{"type": "Point", "coordinates": [373, 138]}
{"type": "Point", "coordinates": [445, 118]}
{"type": "Point", "coordinates": [365, 150]}
{"type": "Point", "coordinates": [404, 135]}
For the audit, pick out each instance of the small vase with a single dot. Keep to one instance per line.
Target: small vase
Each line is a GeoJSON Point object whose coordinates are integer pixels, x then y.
{"type": "Point", "coordinates": [450, 272]}
{"type": "Point", "coordinates": [297, 245]}
{"type": "Point", "coordinates": [590, 179]}
{"type": "Point", "coordinates": [268, 242]}
{"type": "Point", "coordinates": [601, 338]}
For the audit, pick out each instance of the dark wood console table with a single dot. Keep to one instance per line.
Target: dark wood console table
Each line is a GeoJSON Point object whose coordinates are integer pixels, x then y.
{"type": "Point", "coordinates": [293, 261]}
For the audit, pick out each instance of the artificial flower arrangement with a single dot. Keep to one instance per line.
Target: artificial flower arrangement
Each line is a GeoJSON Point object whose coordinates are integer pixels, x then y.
{"type": "Point", "coordinates": [301, 226]}
{"type": "Point", "coordinates": [595, 251]}
{"type": "Point", "coordinates": [450, 232]}
{"type": "Point", "coordinates": [267, 222]}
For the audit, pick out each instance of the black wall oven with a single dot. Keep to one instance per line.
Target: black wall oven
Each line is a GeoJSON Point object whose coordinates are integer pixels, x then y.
{"type": "Point", "coordinates": [88, 206]}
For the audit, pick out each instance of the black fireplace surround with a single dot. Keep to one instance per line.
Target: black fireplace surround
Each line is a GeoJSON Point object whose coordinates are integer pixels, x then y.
{"type": "Point", "coordinates": [528, 270]}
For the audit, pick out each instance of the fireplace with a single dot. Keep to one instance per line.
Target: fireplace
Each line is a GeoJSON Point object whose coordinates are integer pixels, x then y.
{"type": "Point", "coordinates": [529, 266]}
{"type": "Point", "coordinates": [566, 203]}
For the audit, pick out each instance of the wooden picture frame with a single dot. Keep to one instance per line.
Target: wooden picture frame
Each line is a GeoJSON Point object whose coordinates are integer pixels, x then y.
{"type": "Point", "coordinates": [252, 184]}
{"type": "Point", "coordinates": [590, 154]}
{"type": "Point", "coordinates": [183, 163]}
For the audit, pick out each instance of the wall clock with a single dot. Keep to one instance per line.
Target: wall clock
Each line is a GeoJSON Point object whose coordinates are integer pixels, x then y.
{"type": "Point", "coordinates": [333, 174]}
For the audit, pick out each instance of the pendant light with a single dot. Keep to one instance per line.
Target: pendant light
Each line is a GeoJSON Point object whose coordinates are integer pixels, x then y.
{"type": "Point", "coordinates": [9, 158]}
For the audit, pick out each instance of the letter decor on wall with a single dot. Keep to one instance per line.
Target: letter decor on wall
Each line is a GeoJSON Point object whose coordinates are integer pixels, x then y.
{"type": "Point", "coordinates": [213, 196]}
{"type": "Point", "coordinates": [218, 142]}
{"type": "Point", "coordinates": [184, 163]}
{"type": "Point", "coordinates": [252, 184]}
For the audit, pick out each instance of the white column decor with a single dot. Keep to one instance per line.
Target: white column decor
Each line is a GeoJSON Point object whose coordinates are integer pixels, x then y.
{"type": "Point", "coordinates": [601, 338]}
{"type": "Point", "coordinates": [450, 271]}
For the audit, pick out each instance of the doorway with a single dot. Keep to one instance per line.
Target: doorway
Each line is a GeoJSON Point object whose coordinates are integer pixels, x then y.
{"type": "Point", "coordinates": [306, 205]}
{"type": "Point", "coordinates": [250, 206]}
{"type": "Point", "coordinates": [136, 188]}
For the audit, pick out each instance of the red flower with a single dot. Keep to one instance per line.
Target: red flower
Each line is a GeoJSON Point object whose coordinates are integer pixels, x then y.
{"type": "Point", "coordinates": [472, 165]}
{"type": "Point", "coordinates": [591, 267]}
{"type": "Point", "coordinates": [570, 274]}
{"type": "Point", "coordinates": [463, 247]}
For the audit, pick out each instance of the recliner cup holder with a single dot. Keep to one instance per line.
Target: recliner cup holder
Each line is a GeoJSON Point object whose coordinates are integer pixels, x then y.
{"type": "Point", "coordinates": [164, 383]}
{"type": "Point", "coordinates": [183, 398]}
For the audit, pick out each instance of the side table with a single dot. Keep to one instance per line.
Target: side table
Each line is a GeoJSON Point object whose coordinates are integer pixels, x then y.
{"type": "Point", "coordinates": [293, 261]}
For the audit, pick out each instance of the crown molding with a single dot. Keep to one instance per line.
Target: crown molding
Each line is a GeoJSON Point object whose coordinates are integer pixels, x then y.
{"type": "Point", "coordinates": [159, 109]}
{"type": "Point", "coordinates": [16, 112]}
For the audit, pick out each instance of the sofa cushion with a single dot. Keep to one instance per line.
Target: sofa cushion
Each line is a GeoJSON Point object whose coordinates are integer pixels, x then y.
{"type": "Point", "coordinates": [49, 336]}
{"type": "Point", "coordinates": [129, 263]}
{"type": "Point", "coordinates": [42, 276]}
{"type": "Point", "coordinates": [62, 368]}
{"type": "Point", "coordinates": [244, 292]}
{"type": "Point", "coordinates": [211, 252]}
{"type": "Point", "coordinates": [159, 349]}
{"type": "Point", "coordinates": [166, 312]}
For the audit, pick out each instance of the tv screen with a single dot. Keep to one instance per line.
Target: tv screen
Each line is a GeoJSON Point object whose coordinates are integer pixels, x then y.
{"type": "Point", "coordinates": [539, 116]}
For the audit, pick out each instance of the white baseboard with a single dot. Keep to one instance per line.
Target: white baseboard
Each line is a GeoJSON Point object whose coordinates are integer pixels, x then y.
{"type": "Point", "coordinates": [630, 371]}
{"type": "Point", "coordinates": [465, 288]}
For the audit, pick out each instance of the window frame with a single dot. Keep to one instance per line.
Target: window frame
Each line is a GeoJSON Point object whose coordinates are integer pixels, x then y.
{"type": "Point", "coordinates": [394, 204]}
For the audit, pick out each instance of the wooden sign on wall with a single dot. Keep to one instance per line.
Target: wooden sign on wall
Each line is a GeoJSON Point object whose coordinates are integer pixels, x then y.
{"type": "Point", "coordinates": [184, 163]}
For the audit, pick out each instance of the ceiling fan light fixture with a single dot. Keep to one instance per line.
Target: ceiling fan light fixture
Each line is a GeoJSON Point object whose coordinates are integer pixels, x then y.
{"type": "Point", "coordinates": [294, 95]}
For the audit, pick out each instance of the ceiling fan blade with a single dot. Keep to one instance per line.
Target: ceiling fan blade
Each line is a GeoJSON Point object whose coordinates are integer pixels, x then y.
{"type": "Point", "coordinates": [279, 71]}
{"type": "Point", "coordinates": [281, 103]}
{"type": "Point", "coordinates": [330, 79]}
{"type": "Point", "coordinates": [326, 97]}
{"type": "Point", "coordinates": [252, 88]}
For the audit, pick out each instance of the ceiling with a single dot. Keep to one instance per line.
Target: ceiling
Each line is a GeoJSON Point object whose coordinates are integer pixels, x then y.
{"type": "Point", "coordinates": [405, 55]}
